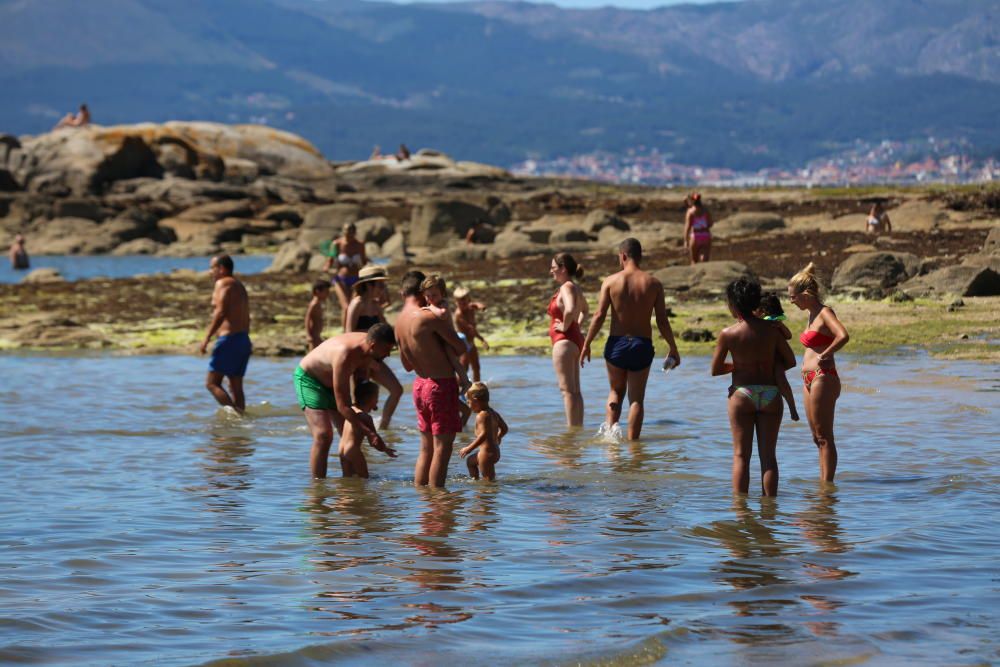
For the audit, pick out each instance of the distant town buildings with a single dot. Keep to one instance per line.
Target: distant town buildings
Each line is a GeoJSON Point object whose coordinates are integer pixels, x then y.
{"type": "Point", "coordinates": [892, 162]}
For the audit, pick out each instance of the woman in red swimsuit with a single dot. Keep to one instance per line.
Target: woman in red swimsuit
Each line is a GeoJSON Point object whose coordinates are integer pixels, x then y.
{"type": "Point", "coordinates": [823, 336]}
{"type": "Point", "coordinates": [567, 309]}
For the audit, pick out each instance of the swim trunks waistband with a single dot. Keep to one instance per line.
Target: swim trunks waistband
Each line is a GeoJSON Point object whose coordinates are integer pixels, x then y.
{"type": "Point", "coordinates": [231, 354]}
{"type": "Point", "coordinates": [436, 401]}
{"type": "Point", "coordinates": [312, 393]}
{"type": "Point", "coordinates": [632, 353]}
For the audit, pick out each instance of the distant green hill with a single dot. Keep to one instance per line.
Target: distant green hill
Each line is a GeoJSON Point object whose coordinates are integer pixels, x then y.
{"type": "Point", "coordinates": [745, 85]}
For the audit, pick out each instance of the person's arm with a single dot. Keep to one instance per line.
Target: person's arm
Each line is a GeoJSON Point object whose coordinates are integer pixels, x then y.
{"type": "Point", "coordinates": [501, 426]}
{"type": "Point", "coordinates": [353, 313]}
{"type": "Point", "coordinates": [785, 355]}
{"type": "Point", "coordinates": [603, 303]}
{"type": "Point", "coordinates": [470, 236]}
{"type": "Point", "coordinates": [783, 330]}
{"type": "Point", "coordinates": [708, 219]}
{"type": "Point", "coordinates": [571, 309]}
{"type": "Point", "coordinates": [342, 392]}
{"type": "Point", "coordinates": [687, 228]}
{"type": "Point", "coordinates": [888, 223]}
{"type": "Point", "coordinates": [379, 444]}
{"type": "Point", "coordinates": [840, 335]}
{"type": "Point", "coordinates": [219, 303]}
{"type": "Point", "coordinates": [364, 253]}
{"type": "Point", "coordinates": [445, 329]}
{"type": "Point", "coordinates": [719, 364]}
{"type": "Point", "coordinates": [663, 323]}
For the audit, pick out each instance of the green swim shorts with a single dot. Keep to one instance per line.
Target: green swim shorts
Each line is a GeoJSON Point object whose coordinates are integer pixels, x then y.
{"type": "Point", "coordinates": [312, 393]}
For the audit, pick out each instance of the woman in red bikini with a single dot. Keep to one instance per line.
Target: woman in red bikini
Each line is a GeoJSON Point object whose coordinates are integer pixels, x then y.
{"type": "Point", "coordinates": [567, 309]}
{"type": "Point", "coordinates": [823, 336]}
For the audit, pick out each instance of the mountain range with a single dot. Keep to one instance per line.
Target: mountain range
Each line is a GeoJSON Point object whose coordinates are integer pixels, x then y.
{"type": "Point", "coordinates": [742, 85]}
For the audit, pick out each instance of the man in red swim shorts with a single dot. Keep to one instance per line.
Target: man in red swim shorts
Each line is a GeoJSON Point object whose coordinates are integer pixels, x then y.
{"type": "Point", "coordinates": [422, 339]}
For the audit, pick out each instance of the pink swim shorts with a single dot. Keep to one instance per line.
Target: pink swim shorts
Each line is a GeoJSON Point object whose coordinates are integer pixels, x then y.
{"type": "Point", "coordinates": [436, 401]}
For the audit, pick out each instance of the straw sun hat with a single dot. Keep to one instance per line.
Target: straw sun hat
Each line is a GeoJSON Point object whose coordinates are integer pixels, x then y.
{"type": "Point", "coordinates": [371, 273]}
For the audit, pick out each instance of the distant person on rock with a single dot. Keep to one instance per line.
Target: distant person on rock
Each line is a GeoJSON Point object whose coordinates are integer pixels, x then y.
{"type": "Point", "coordinates": [80, 119]}
{"type": "Point", "coordinates": [477, 233]}
{"type": "Point", "coordinates": [376, 153]}
{"type": "Point", "coordinates": [231, 321]}
{"type": "Point", "coordinates": [697, 230]}
{"type": "Point", "coordinates": [878, 221]}
{"type": "Point", "coordinates": [18, 255]}
{"type": "Point", "coordinates": [633, 296]}
{"type": "Point", "coordinates": [403, 154]}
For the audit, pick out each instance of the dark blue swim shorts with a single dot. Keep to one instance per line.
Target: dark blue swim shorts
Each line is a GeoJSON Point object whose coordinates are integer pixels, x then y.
{"type": "Point", "coordinates": [231, 354]}
{"type": "Point", "coordinates": [629, 352]}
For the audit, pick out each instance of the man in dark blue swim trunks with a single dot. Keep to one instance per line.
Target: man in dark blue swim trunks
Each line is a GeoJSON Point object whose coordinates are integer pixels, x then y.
{"type": "Point", "coordinates": [634, 296]}
{"type": "Point", "coordinates": [231, 321]}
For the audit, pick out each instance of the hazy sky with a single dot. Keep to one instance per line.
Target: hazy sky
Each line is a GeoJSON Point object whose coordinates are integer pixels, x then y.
{"type": "Point", "coordinates": [626, 4]}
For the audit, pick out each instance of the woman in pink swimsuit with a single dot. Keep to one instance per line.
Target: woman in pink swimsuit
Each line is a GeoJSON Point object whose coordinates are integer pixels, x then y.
{"type": "Point", "coordinates": [697, 223]}
{"type": "Point", "coordinates": [567, 309]}
{"type": "Point", "coordinates": [823, 336]}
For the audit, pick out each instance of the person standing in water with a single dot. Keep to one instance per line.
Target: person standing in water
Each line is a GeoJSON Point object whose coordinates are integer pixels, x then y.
{"type": "Point", "coordinates": [824, 335]}
{"type": "Point", "coordinates": [567, 310]}
{"type": "Point", "coordinates": [231, 321]}
{"type": "Point", "coordinates": [633, 296]}
{"type": "Point", "coordinates": [18, 254]}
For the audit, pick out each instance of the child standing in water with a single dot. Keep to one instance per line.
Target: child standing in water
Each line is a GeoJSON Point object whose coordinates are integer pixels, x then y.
{"type": "Point", "coordinates": [314, 313]}
{"type": "Point", "coordinates": [490, 430]}
{"type": "Point", "coordinates": [771, 311]}
{"type": "Point", "coordinates": [465, 323]}
{"type": "Point", "coordinates": [352, 458]}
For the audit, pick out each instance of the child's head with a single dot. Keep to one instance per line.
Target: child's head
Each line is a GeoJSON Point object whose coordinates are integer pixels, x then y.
{"type": "Point", "coordinates": [321, 288]}
{"type": "Point", "coordinates": [462, 297]}
{"type": "Point", "coordinates": [433, 288]}
{"type": "Point", "coordinates": [770, 305]}
{"type": "Point", "coordinates": [479, 396]}
{"type": "Point", "coordinates": [366, 396]}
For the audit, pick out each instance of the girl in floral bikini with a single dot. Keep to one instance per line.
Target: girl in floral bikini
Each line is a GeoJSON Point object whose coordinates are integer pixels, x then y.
{"type": "Point", "coordinates": [823, 336]}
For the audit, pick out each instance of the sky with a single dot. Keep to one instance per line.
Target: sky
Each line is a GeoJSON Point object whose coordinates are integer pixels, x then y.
{"type": "Point", "coordinates": [624, 4]}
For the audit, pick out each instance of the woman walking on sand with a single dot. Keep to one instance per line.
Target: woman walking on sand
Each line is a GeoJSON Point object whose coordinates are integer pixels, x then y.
{"type": "Point", "coordinates": [755, 404]}
{"type": "Point", "coordinates": [567, 309]}
{"type": "Point", "coordinates": [823, 336]}
{"type": "Point", "coordinates": [697, 229]}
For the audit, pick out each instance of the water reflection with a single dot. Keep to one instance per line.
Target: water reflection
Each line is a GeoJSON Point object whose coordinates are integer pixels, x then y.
{"type": "Point", "coordinates": [820, 526]}
{"type": "Point", "coordinates": [482, 513]}
{"type": "Point", "coordinates": [562, 448]}
{"type": "Point", "coordinates": [439, 562]}
{"type": "Point", "coordinates": [344, 515]}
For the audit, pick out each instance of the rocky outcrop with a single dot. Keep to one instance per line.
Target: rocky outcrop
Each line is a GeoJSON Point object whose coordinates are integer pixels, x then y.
{"type": "Point", "coordinates": [956, 280]}
{"type": "Point", "coordinates": [744, 224]}
{"type": "Point", "coordinates": [867, 271]}
{"type": "Point", "coordinates": [44, 275]}
{"type": "Point", "coordinates": [292, 256]}
{"type": "Point", "coordinates": [704, 279]}
{"type": "Point", "coordinates": [375, 230]}
{"type": "Point", "coordinates": [436, 223]}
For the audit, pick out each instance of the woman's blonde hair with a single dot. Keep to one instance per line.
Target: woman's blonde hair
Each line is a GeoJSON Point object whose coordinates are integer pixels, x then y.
{"type": "Point", "coordinates": [804, 282]}
{"type": "Point", "coordinates": [479, 391]}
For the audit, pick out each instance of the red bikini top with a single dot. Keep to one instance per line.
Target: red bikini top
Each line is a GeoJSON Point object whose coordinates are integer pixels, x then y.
{"type": "Point", "coordinates": [815, 339]}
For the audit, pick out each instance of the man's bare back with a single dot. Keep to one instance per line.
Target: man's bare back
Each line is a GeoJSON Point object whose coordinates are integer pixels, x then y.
{"type": "Point", "coordinates": [231, 322]}
{"type": "Point", "coordinates": [231, 296]}
{"type": "Point", "coordinates": [422, 338]}
{"type": "Point", "coordinates": [633, 294]}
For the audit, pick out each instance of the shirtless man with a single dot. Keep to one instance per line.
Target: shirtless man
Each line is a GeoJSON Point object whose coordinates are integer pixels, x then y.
{"type": "Point", "coordinates": [231, 321]}
{"type": "Point", "coordinates": [423, 340]}
{"type": "Point", "coordinates": [17, 254]}
{"type": "Point", "coordinates": [633, 296]}
{"type": "Point", "coordinates": [323, 387]}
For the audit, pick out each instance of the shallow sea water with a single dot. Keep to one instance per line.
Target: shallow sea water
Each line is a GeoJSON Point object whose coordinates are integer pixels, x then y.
{"type": "Point", "coordinates": [142, 526]}
{"type": "Point", "coordinates": [85, 267]}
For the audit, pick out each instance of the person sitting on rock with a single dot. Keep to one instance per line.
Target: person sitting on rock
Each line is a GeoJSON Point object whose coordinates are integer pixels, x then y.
{"type": "Point", "coordinates": [878, 220]}
{"type": "Point", "coordinates": [403, 154]}
{"type": "Point", "coordinates": [18, 255]}
{"type": "Point", "coordinates": [79, 119]}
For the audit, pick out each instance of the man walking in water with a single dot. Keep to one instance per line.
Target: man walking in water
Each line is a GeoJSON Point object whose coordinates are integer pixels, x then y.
{"type": "Point", "coordinates": [231, 321]}
{"type": "Point", "coordinates": [423, 340]}
{"type": "Point", "coordinates": [633, 296]}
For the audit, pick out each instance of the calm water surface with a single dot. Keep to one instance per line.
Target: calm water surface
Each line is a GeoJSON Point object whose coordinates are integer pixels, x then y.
{"type": "Point", "coordinates": [142, 526]}
{"type": "Point", "coordinates": [81, 267]}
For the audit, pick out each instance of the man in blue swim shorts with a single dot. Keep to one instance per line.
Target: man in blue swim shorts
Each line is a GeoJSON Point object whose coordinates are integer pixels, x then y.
{"type": "Point", "coordinates": [634, 296]}
{"type": "Point", "coordinates": [231, 321]}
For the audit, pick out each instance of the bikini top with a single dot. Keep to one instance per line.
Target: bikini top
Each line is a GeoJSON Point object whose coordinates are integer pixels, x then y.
{"type": "Point", "coordinates": [348, 260]}
{"type": "Point", "coordinates": [815, 340]}
{"type": "Point", "coordinates": [700, 224]}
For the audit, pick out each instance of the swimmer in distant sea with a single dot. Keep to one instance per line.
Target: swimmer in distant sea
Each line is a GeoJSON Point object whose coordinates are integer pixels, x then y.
{"type": "Point", "coordinates": [18, 255]}
{"type": "Point", "coordinates": [490, 430]}
{"type": "Point", "coordinates": [314, 313]}
{"type": "Point", "coordinates": [80, 119]}
{"type": "Point", "coordinates": [352, 457]}
{"type": "Point", "coordinates": [633, 296]}
{"type": "Point", "coordinates": [231, 321]}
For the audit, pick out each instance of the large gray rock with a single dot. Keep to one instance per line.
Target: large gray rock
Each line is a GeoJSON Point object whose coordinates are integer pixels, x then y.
{"type": "Point", "coordinates": [375, 230]}
{"type": "Point", "coordinates": [437, 223]}
{"type": "Point", "coordinates": [219, 210]}
{"type": "Point", "coordinates": [744, 224]}
{"type": "Point", "coordinates": [601, 219]}
{"type": "Point", "coordinates": [80, 207]}
{"type": "Point", "coordinates": [512, 243]}
{"type": "Point", "coordinates": [395, 247]}
{"type": "Point", "coordinates": [292, 256]}
{"type": "Point", "coordinates": [7, 181]}
{"type": "Point", "coordinates": [323, 223]}
{"type": "Point", "coordinates": [44, 275]}
{"type": "Point", "coordinates": [69, 236]}
{"type": "Point", "coordinates": [138, 247]}
{"type": "Point", "coordinates": [706, 278]}
{"type": "Point", "coordinates": [957, 280]}
{"type": "Point", "coordinates": [565, 235]}
{"type": "Point", "coordinates": [865, 271]}
{"type": "Point", "coordinates": [992, 243]}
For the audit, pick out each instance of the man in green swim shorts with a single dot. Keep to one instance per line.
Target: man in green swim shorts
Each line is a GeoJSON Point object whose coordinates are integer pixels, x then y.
{"type": "Point", "coordinates": [323, 387]}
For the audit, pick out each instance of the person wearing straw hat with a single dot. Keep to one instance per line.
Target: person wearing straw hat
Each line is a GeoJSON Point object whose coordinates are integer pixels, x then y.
{"type": "Point", "coordinates": [367, 308]}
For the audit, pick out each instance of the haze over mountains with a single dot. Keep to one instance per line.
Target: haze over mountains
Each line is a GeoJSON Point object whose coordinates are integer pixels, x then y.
{"type": "Point", "coordinates": [742, 85]}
